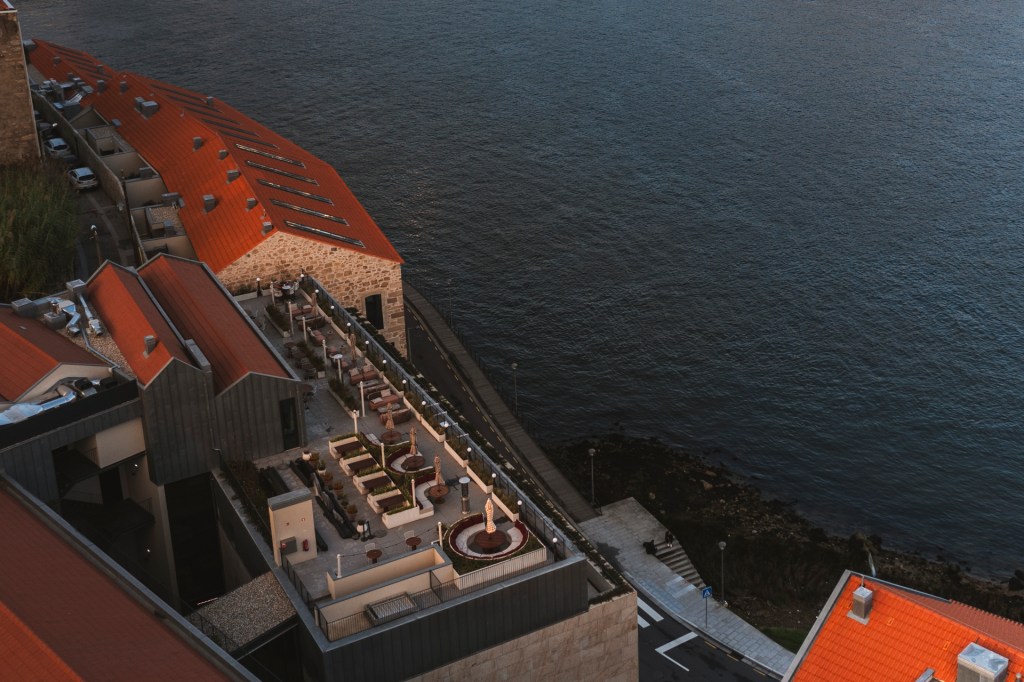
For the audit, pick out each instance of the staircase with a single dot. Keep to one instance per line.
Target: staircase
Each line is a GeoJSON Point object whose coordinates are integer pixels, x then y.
{"type": "Point", "coordinates": [675, 558]}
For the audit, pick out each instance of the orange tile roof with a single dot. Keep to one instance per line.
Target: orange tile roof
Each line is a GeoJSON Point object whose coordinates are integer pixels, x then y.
{"type": "Point", "coordinates": [25, 656]}
{"type": "Point", "coordinates": [84, 618]}
{"type": "Point", "coordinates": [31, 351]}
{"type": "Point", "coordinates": [907, 632]}
{"type": "Point", "coordinates": [297, 192]}
{"type": "Point", "coordinates": [128, 312]}
{"type": "Point", "coordinates": [202, 310]}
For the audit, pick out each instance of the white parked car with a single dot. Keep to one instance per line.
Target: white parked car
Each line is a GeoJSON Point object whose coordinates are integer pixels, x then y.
{"type": "Point", "coordinates": [56, 147]}
{"type": "Point", "coordinates": [82, 178]}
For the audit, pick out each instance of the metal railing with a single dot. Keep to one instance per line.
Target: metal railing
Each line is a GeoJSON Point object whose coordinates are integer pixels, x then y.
{"type": "Point", "coordinates": [258, 516]}
{"type": "Point", "coordinates": [293, 575]}
{"type": "Point", "coordinates": [423, 401]}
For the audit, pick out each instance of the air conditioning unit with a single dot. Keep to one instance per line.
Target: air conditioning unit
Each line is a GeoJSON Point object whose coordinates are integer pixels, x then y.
{"type": "Point", "coordinates": [978, 664]}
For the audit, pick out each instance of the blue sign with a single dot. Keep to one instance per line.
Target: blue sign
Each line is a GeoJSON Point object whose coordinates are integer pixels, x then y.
{"type": "Point", "coordinates": [706, 593]}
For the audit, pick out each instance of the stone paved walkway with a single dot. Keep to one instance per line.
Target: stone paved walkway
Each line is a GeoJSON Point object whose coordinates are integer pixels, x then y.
{"type": "Point", "coordinates": [619, 533]}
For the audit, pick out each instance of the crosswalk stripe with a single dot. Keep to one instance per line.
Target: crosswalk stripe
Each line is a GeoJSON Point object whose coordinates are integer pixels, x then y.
{"type": "Point", "coordinates": [640, 619]}
{"type": "Point", "coordinates": [654, 615]}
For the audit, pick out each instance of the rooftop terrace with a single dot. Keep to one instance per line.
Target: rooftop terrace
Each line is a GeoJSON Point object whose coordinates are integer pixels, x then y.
{"type": "Point", "coordinates": [400, 445]}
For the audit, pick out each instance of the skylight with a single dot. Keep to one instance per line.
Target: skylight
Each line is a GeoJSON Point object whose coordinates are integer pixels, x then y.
{"type": "Point", "coordinates": [293, 176]}
{"type": "Point", "coordinates": [309, 211]}
{"type": "Point", "coordinates": [324, 233]}
{"type": "Point", "coordinates": [292, 190]}
{"type": "Point", "coordinates": [268, 155]}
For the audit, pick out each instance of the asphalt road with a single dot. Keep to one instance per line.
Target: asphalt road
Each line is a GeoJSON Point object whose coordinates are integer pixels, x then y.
{"type": "Point", "coordinates": [670, 651]}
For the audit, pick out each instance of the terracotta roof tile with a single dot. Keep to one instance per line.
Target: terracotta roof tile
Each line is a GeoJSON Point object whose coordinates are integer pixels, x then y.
{"type": "Point", "coordinates": [906, 633]}
{"type": "Point", "coordinates": [130, 315]}
{"type": "Point", "coordinates": [31, 351]}
{"type": "Point", "coordinates": [26, 657]}
{"type": "Point", "coordinates": [299, 193]}
{"type": "Point", "coordinates": [202, 310]}
{"type": "Point", "coordinates": [85, 619]}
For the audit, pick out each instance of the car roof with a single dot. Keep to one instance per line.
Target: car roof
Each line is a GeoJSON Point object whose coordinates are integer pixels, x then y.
{"type": "Point", "coordinates": [56, 142]}
{"type": "Point", "coordinates": [80, 172]}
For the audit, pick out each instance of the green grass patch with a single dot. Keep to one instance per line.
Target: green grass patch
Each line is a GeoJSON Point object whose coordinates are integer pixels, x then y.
{"type": "Point", "coordinates": [38, 228]}
{"type": "Point", "coordinates": [788, 638]}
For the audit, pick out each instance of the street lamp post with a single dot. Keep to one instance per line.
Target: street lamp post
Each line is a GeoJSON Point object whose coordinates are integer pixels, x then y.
{"type": "Point", "coordinates": [362, 398]}
{"type": "Point", "coordinates": [721, 547]}
{"type": "Point", "coordinates": [515, 390]}
{"type": "Point", "coordinates": [593, 498]}
{"type": "Point", "coordinates": [259, 289]}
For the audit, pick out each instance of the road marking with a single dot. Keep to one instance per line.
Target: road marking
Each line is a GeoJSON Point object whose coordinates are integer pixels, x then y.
{"type": "Point", "coordinates": [655, 616]}
{"type": "Point", "coordinates": [640, 620]}
{"type": "Point", "coordinates": [674, 643]}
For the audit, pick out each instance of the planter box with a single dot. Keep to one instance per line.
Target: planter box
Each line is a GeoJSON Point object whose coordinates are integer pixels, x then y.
{"type": "Point", "coordinates": [405, 516]}
{"type": "Point", "coordinates": [346, 464]}
{"type": "Point", "coordinates": [246, 297]}
{"type": "Point", "coordinates": [373, 499]}
{"type": "Point", "coordinates": [512, 515]}
{"type": "Point", "coordinates": [456, 456]}
{"type": "Point", "coordinates": [285, 333]}
{"type": "Point", "coordinates": [486, 487]}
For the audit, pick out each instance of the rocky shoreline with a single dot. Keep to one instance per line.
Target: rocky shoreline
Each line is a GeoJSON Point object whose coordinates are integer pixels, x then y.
{"type": "Point", "coordinates": [779, 568]}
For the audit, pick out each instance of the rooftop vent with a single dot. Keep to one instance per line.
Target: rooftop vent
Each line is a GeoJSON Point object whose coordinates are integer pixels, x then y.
{"type": "Point", "coordinates": [75, 287]}
{"type": "Point", "coordinates": [927, 676]}
{"type": "Point", "coordinates": [267, 227]}
{"type": "Point", "coordinates": [123, 86]}
{"type": "Point", "coordinates": [222, 154]}
{"type": "Point", "coordinates": [209, 101]}
{"type": "Point", "coordinates": [150, 342]}
{"type": "Point", "coordinates": [170, 198]}
{"type": "Point", "coordinates": [101, 85]}
{"type": "Point", "coordinates": [149, 107]}
{"type": "Point", "coordinates": [250, 203]}
{"type": "Point", "coordinates": [138, 103]}
{"type": "Point", "coordinates": [977, 664]}
{"type": "Point", "coordinates": [860, 610]}
{"type": "Point", "coordinates": [197, 143]}
{"type": "Point", "coordinates": [56, 60]}
{"type": "Point", "coordinates": [233, 175]}
{"type": "Point", "coordinates": [209, 202]}
{"type": "Point", "coordinates": [24, 307]}
{"type": "Point", "coordinates": [116, 122]}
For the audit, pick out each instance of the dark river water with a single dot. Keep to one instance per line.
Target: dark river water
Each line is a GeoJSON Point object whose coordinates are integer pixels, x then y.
{"type": "Point", "coordinates": [789, 230]}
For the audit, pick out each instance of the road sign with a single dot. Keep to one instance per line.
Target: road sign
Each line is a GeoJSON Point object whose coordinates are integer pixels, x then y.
{"type": "Point", "coordinates": [706, 593]}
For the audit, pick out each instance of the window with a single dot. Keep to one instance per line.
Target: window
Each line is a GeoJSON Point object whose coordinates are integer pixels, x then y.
{"type": "Point", "coordinates": [289, 424]}
{"type": "Point", "coordinates": [375, 311]}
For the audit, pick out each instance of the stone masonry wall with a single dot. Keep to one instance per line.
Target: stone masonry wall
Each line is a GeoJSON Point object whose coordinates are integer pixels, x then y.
{"type": "Point", "coordinates": [17, 126]}
{"type": "Point", "coordinates": [347, 275]}
{"type": "Point", "coordinates": [600, 644]}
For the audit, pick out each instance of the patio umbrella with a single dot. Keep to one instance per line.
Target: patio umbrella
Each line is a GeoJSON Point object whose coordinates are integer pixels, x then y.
{"type": "Point", "coordinates": [437, 471]}
{"type": "Point", "coordinates": [412, 440]}
{"type": "Point", "coordinates": [489, 510]}
{"type": "Point", "coordinates": [390, 424]}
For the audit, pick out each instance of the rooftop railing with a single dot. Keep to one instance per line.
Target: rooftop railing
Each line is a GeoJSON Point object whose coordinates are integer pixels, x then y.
{"type": "Point", "coordinates": [345, 322]}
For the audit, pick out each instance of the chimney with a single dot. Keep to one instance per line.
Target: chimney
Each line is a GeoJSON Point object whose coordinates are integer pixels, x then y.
{"type": "Point", "coordinates": [197, 143]}
{"type": "Point", "coordinates": [149, 108]}
{"type": "Point", "coordinates": [222, 154]}
{"type": "Point", "coordinates": [861, 608]}
{"type": "Point", "coordinates": [250, 203]}
{"type": "Point", "coordinates": [150, 342]}
{"type": "Point", "coordinates": [101, 85]}
{"type": "Point", "coordinates": [209, 101]}
{"type": "Point", "coordinates": [56, 60]}
{"type": "Point", "coordinates": [232, 175]}
{"type": "Point", "coordinates": [123, 86]}
{"type": "Point", "coordinates": [977, 664]}
{"type": "Point", "coordinates": [267, 227]}
{"type": "Point", "coordinates": [209, 202]}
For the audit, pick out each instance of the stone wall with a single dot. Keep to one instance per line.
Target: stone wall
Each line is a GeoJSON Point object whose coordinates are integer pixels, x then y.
{"type": "Point", "coordinates": [347, 275]}
{"type": "Point", "coordinates": [600, 644]}
{"type": "Point", "coordinates": [17, 126]}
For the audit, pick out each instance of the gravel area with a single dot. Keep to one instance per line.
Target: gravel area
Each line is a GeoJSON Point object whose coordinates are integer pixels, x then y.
{"type": "Point", "coordinates": [251, 610]}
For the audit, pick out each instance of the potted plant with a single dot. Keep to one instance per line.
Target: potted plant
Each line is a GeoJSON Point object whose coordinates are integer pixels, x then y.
{"type": "Point", "coordinates": [351, 510]}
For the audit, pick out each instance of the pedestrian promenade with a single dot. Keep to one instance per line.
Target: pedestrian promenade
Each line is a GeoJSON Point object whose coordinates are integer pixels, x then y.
{"type": "Point", "coordinates": [619, 533]}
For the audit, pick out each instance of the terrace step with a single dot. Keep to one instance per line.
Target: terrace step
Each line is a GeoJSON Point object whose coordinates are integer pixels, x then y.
{"type": "Point", "coordinates": [675, 558]}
